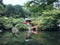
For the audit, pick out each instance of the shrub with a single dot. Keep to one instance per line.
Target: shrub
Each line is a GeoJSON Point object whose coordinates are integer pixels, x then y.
{"type": "Point", "coordinates": [48, 20]}
{"type": "Point", "coordinates": [7, 23]}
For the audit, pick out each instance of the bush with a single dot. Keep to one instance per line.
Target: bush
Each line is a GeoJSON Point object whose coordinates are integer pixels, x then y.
{"type": "Point", "coordinates": [48, 20]}
{"type": "Point", "coordinates": [7, 23]}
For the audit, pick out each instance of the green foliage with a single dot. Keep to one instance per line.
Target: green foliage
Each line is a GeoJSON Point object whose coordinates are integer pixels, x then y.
{"type": "Point", "coordinates": [48, 20]}
{"type": "Point", "coordinates": [18, 11]}
{"type": "Point", "coordinates": [1, 8]}
{"type": "Point", "coordinates": [39, 6]}
{"type": "Point", "coordinates": [51, 1]}
{"type": "Point", "coordinates": [14, 11]}
{"type": "Point", "coordinates": [9, 11]}
{"type": "Point", "coordinates": [7, 23]}
{"type": "Point", "coordinates": [49, 7]}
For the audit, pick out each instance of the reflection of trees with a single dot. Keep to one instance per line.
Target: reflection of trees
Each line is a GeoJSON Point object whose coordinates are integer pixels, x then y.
{"type": "Point", "coordinates": [1, 1]}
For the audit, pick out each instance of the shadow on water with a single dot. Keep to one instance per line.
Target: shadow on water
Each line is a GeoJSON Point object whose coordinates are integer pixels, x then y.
{"type": "Point", "coordinates": [52, 38]}
{"type": "Point", "coordinates": [24, 43]}
{"type": "Point", "coordinates": [43, 38]}
{"type": "Point", "coordinates": [33, 42]}
{"type": "Point", "coordinates": [8, 39]}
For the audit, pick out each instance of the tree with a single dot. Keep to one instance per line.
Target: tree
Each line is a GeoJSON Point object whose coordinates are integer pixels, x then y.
{"type": "Point", "coordinates": [50, 1]}
{"type": "Point", "coordinates": [19, 11]}
{"type": "Point", "coordinates": [2, 8]}
{"type": "Point", "coordinates": [36, 6]}
{"type": "Point", "coordinates": [9, 10]}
